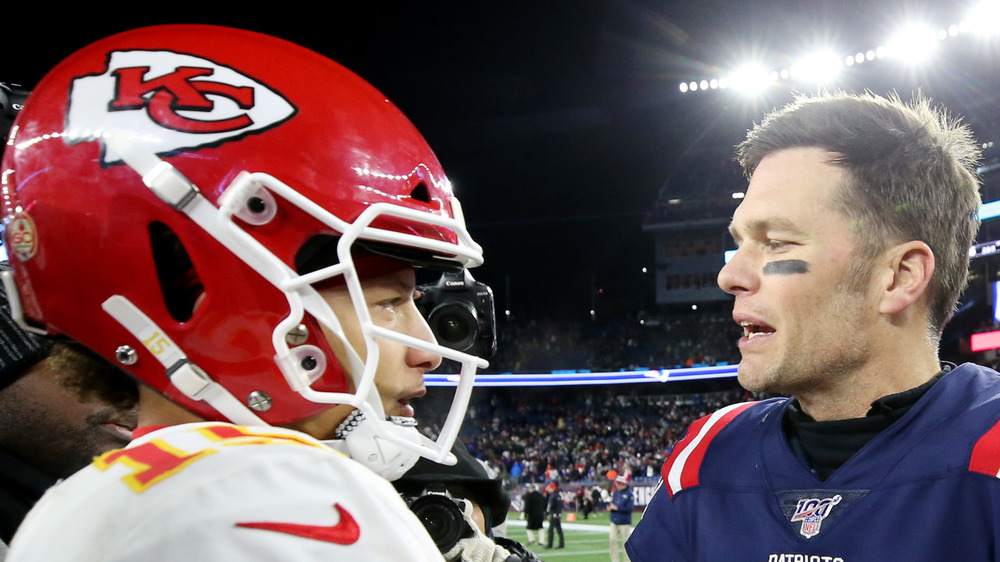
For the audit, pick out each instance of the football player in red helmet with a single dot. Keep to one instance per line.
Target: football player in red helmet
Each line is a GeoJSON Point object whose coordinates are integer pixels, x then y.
{"type": "Point", "coordinates": [235, 221]}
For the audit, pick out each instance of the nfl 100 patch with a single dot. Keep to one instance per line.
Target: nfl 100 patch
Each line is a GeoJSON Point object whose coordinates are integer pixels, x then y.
{"type": "Point", "coordinates": [810, 511]}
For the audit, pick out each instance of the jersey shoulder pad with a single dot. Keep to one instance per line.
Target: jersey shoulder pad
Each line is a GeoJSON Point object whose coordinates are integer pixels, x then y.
{"type": "Point", "coordinates": [682, 467]}
{"type": "Point", "coordinates": [970, 395]}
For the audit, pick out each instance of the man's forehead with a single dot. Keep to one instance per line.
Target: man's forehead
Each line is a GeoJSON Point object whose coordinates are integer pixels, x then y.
{"type": "Point", "coordinates": [809, 171]}
{"type": "Point", "coordinates": [756, 224]}
{"type": "Point", "coordinates": [399, 275]}
{"type": "Point", "coordinates": [787, 185]}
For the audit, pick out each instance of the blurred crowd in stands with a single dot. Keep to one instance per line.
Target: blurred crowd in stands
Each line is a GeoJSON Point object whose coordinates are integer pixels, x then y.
{"type": "Point", "coordinates": [664, 342]}
{"type": "Point", "coordinates": [577, 434]}
{"type": "Point", "coordinates": [549, 434]}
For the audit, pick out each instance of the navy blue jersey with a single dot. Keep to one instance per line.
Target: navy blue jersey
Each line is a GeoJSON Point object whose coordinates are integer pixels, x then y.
{"type": "Point", "coordinates": [926, 488]}
{"type": "Point", "coordinates": [625, 503]}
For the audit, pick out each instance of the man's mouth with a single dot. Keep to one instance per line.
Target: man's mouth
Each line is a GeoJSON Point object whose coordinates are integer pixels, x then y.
{"type": "Point", "coordinates": [404, 402]}
{"type": "Point", "coordinates": [120, 432]}
{"type": "Point", "coordinates": [752, 330]}
{"type": "Point", "coordinates": [119, 423]}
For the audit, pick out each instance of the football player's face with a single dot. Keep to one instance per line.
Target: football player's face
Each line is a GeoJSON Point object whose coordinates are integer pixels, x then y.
{"type": "Point", "coordinates": [390, 302]}
{"type": "Point", "coordinates": [53, 423]}
{"type": "Point", "coordinates": [803, 323]}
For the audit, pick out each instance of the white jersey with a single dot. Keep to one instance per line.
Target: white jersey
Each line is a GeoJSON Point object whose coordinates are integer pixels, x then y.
{"type": "Point", "coordinates": [214, 491]}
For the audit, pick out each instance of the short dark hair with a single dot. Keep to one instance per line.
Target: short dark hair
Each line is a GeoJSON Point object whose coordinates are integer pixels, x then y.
{"type": "Point", "coordinates": [912, 177]}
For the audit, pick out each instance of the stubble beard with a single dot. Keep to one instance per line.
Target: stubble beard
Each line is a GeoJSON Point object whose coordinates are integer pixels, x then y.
{"type": "Point", "coordinates": [805, 368]}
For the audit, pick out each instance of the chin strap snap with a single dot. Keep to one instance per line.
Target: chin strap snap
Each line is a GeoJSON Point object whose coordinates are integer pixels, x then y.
{"type": "Point", "coordinates": [365, 440]}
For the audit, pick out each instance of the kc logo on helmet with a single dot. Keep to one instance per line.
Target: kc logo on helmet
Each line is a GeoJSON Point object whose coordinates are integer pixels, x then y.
{"type": "Point", "coordinates": [172, 102]}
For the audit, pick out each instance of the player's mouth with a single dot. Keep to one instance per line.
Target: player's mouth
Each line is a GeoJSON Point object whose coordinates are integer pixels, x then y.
{"type": "Point", "coordinates": [119, 432]}
{"type": "Point", "coordinates": [404, 408]}
{"type": "Point", "coordinates": [754, 331]}
{"type": "Point", "coordinates": [751, 330]}
{"type": "Point", "coordinates": [119, 429]}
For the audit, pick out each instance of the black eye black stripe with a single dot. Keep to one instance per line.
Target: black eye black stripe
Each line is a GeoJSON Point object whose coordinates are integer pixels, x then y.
{"type": "Point", "coordinates": [786, 267]}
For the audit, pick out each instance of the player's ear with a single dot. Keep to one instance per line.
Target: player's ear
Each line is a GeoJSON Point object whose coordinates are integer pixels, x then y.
{"type": "Point", "coordinates": [905, 276]}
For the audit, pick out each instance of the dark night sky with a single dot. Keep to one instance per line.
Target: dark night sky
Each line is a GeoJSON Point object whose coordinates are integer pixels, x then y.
{"type": "Point", "coordinates": [557, 121]}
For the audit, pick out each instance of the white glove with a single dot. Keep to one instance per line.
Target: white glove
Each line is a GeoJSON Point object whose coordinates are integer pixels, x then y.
{"type": "Point", "coordinates": [478, 547]}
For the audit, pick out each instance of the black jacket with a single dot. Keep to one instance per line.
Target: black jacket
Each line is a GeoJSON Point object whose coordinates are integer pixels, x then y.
{"type": "Point", "coordinates": [21, 485]}
{"type": "Point", "coordinates": [555, 503]}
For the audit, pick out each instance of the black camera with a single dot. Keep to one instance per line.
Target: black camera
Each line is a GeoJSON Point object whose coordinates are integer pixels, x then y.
{"type": "Point", "coordinates": [460, 312]}
{"type": "Point", "coordinates": [441, 515]}
{"type": "Point", "coordinates": [12, 99]}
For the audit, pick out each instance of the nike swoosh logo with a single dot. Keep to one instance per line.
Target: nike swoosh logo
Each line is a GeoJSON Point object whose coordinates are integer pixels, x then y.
{"type": "Point", "coordinates": [346, 531]}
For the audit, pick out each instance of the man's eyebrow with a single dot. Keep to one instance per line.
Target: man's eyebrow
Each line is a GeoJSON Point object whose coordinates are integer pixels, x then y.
{"type": "Point", "coordinates": [759, 226]}
{"type": "Point", "coordinates": [392, 283]}
{"type": "Point", "coordinates": [404, 285]}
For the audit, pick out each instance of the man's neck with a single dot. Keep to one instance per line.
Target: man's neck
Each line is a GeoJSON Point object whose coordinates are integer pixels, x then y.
{"type": "Point", "coordinates": [825, 446]}
{"type": "Point", "coordinates": [851, 395]}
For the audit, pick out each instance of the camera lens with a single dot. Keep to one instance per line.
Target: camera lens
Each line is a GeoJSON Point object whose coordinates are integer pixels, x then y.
{"type": "Point", "coordinates": [455, 325]}
{"type": "Point", "coordinates": [442, 518]}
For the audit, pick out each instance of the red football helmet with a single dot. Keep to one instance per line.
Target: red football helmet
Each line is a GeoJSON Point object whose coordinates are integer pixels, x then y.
{"type": "Point", "coordinates": [160, 189]}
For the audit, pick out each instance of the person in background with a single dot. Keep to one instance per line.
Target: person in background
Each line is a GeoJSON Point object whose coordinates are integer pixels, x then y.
{"type": "Point", "coordinates": [596, 497]}
{"type": "Point", "coordinates": [620, 509]}
{"type": "Point", "coordinates": [583, 499]}
{"type": "Point", "coordinates": [534, 513]}
{"type": "Point", "coordinates": [554, 509]}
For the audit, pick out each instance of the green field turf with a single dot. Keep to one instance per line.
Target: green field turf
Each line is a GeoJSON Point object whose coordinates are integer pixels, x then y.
{"type": "Point", "coordinates": [586, 540]}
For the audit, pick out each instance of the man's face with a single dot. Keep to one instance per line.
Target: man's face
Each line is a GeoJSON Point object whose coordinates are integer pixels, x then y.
{"type": "Point", "coordinates": [390, 302]}
{"type": "Point", "coordinates": [55, 427]}
{"type": "Point", "coordinates": [803, 325]}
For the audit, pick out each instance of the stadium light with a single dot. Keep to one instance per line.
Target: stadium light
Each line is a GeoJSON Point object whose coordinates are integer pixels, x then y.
{"type": "Point", "coordinates": [913, 44]}
{"type": "Point", "coordinates": [817, 68]}
{"type": "Point", "coordinates": [984, 341]}
{"type": "Point", "coordinates": [750, 79]}
{"type": "Point", "coordinates": [984, 18]}
{"type": "Point", "coordinates": [989, 210]}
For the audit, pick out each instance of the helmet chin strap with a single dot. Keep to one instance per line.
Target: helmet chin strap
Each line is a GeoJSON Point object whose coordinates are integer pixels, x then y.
{"type": "Point", "coordinates": [389, 446]}
{"type": "Point", "coordinates": [375, 443]}
{"type": "Point", "coordinates": [185, 376]}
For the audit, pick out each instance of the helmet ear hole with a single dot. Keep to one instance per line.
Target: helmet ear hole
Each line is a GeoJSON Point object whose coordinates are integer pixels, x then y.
{"type": "Point", "coordinates": [421, 193]}
{"type": "Point", "coordinates": [318, 252]}
{"type": "Point", "coordinates": [179, 281]}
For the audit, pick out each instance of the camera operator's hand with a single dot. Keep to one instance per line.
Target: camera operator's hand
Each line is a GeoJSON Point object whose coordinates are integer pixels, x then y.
{"type": "Point", "coordinates": [518, 552]}
{"type": "Point", "coordinates": [478, 547]}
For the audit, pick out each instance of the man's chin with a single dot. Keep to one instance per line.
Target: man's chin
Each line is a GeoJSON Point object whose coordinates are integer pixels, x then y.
{"type": "Point", "coordinates": [753, 378]}
{"type": "Point", "coordinates": [400, 410]}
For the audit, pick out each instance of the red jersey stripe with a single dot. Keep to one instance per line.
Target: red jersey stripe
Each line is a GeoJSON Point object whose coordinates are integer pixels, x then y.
{"type": "Point", "coordinates": [986, 453]}
{"type": "Point", "coordinates": [681, 469]}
